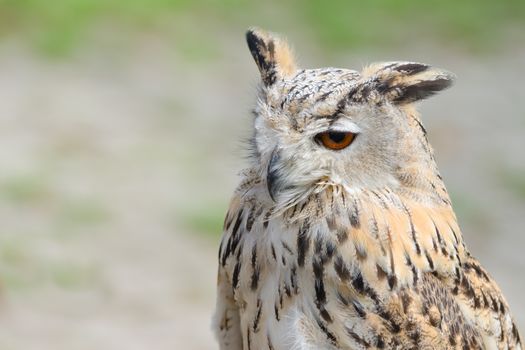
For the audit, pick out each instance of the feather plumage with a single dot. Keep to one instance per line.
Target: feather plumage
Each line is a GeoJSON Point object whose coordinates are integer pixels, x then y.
{"type": "Point", "coordinates": [358, 249]}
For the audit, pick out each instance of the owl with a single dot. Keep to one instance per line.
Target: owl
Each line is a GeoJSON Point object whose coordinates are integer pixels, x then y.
{"type": "Point", "coordinates": [341, 233]}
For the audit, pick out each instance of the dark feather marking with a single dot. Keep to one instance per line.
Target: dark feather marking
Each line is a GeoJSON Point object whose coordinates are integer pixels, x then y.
{"type": "Point", "coordinates": [233, 241]}
{"type": "Point", "coordinates": [255, 278]}
{"type": "Point", "coordinates": [274, 255]}
{"type": "Point", "coordinates": [414, 274]}
{"type": "Point", "coordinates": [454, 234]}
{"type": "Point", "coordinates": [382, 201]}
{"type": "Point", "coordinates": [358, 283]}
{"type": "Point", "coordinates": [254, 255]}
{"type": "Point", "coordinates": [501, 307]}
{"type": "Point", "coordinates": [406, 300]}
{"type": "Point", "coordinates": [303, 205]}
{"type": "Point", "coordinates": [239, 253]}
{"type": "Point", "coordinates": [351, 93]}
{"type": "Point", "coordinates": [287, 247]}
{"type": "Point", "coordinates": [293, 279]}
{"type": "Point", "coordinates": [479, 271]}
{"type": "Point", "coordinates": [342, 299]}
{"type": "Point", "coordinates": [250, 220]}
{"type": "Point", "coordinates": [287, 290]}
{"type": "Point", "coordinates": [320, 293]}
{"type": "Point", "coordinates": [429, 259]}
{"type": "Point", "coordinates": [256, 269]}
{"type": "Point", "coordinates": [413, 231]}
{"type": "Point", "coordinates": [249, 338]}
{"type": "Point", "coordinates": [359, 308]}
{"type": "Point", "coordinates": [267, 218]}
{"type": "Point", "coordinates": [391, 324]}
{"type": "Point", "coordinates": [342, 235]}
{"type": "Point", "coordinates": [515, 333]}
{"type": "Point", "coordinates": [411, 68]}
{"type": "Point", "coordinates": [330, 249]}
{"type": "Point", "coordinates": [270, 345]}
{"type": "Point", "coordinates": [434, 244]}
{"type": "Point", "coordinates": [381, 273]}
{"type": "Point", "coordinates": [235, 277]}
{"type": "Point", "coordinates": [421, 90]}
{"type": "Point", "coordinates": [341, 269]}
{"type": "Point", "coordinates": [303, 244]}
{"type": "Point", "coordinates": [392, 264]}
{"type": "Point", "coordinates": [357, 338]}
{"type": "Point", "coordinates": [380, 343]}
{"type": "Point", "coordinates": [467, 289]}
{"type": "Point", "coordinates": [457, 281]}
{"type": "Point", "coordinates": [354, 216]}
{"type": "Point", "coordinates": [227, 222]}
{"type": "Point", "coordinates": [485, 300]}
{"type": "Point", "coordinates": [477, 302]}
{"type": "Point", "coordinates": [444, 251]}
{"type": "Point", "coordinates": [452, 339]}
{"type": "Point", "coordinates": [392, 281]}
{"type": "Point", "coordinates": [226, 252]}
{"type": "Point", "coordinates": [415, 335]}
{"type": "Point", "coordinates": [341, 105]}
{"type": "Point", "coordinates": [424, 131]}
{"type": "Point", "coordinates": [220, 248]}
{"type": "Point", "coordinates": [323, 96]}
{"type": "Point", "coordinates": [257, 316]}
{"type": "Point", "coordinates": [329, 335]}
{"type": "Point", "coordinates": [294, 209]}
{"type": "Point", "coordinates": [318, 244]}
{"type": "Point", "coordinates": [260, 51]}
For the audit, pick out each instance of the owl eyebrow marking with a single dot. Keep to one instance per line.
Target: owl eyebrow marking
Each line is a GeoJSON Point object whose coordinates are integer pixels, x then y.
{"type": "Point", "coordinates": [333, 117]}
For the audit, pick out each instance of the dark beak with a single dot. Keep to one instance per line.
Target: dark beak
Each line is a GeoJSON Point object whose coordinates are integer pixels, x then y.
{"type": "Point", "coordinates": [272, 174]}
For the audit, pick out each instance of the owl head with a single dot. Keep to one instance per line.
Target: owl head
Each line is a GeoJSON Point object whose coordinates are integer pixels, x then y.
{"type": "Point", "coordinates": [315, 128]}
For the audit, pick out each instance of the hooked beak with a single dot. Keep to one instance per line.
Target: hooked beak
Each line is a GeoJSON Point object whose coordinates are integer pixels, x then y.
{"type": "Point", "coordinates": [272, 174]}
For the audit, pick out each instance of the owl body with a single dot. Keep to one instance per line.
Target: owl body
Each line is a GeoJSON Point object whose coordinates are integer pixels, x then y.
{"type": "Point", "coordinates": [341, 234]}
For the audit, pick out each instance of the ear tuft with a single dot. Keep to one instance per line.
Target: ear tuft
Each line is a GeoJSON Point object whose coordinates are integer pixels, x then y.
{"type": "Point", "coordinates": [406, 82]}
{"type": "Point", "coordinates": [272, 55]}
{"type": "Point", "coordinates": [419, 90]}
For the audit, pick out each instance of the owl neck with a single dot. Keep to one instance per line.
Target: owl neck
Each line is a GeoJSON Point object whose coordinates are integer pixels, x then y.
{"type": "Point", "coordinates": [384, 234]}
{"type": "Point", "coordinates": [419, 177]}
{"type": "Point", "coordinates": [388, 235]}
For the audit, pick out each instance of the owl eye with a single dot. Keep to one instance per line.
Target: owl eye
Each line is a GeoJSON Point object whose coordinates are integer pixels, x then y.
{"type": "Point", "coordinates": [335, 140]}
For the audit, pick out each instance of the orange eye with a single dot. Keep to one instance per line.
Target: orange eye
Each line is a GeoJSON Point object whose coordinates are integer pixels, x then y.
{"type": "Point", "coordinates": [335, 140]}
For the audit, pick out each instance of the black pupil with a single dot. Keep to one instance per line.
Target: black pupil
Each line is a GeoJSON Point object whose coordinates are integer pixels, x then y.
{"type": "Point", "coordinates": [337, 137]}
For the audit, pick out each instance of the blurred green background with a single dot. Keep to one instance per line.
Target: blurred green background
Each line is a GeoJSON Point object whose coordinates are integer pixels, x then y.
{"type": "Point", "coordinates": [122, 129]}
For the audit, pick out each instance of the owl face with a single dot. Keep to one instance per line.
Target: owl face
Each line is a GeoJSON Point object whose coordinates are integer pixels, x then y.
{"type": "Point", "coordinates": [324, 127]}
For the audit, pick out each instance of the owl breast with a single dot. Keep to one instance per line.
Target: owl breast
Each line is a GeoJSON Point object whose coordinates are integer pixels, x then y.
{"type": "Point", "coordinates": [273, 285]}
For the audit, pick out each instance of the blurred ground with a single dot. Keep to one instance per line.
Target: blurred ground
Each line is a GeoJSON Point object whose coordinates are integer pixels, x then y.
{"type": "Point", "coordinates": [118, 159]}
